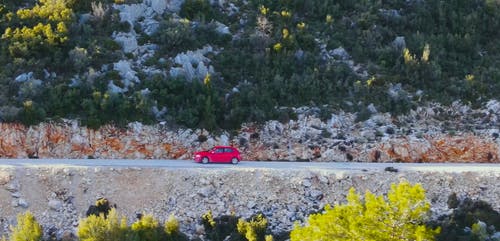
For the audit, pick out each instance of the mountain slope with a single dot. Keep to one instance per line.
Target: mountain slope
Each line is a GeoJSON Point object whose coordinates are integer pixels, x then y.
{"type": "Point", "coordinates": [218, 64]}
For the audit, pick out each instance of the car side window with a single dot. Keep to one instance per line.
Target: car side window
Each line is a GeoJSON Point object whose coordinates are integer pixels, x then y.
{"type": "Point", "coordinates": [220, 150]}
{"type": "Point", "coordinates": [229, 150]}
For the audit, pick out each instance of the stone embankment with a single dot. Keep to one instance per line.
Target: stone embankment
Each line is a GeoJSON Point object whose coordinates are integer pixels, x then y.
{"type": "Point", "coordinates": [60, 196]}
{"type": "Point", "coordinates": [432, 133]}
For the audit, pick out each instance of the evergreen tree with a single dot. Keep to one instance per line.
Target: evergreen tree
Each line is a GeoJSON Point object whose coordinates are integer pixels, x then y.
{"type": "Point", "coordinates": [399, 216]}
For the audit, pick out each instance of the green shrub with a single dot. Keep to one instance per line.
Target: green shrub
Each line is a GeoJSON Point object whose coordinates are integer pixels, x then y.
{"type": "Point", "coordinates": [230, 227]}
{"type": "Point", "coordinates": [196, 10]}
{"type": "Point", "coordinates": [175, 37]}
{"type": "Point", "coordinates": [31, 113]}
{"type": "Point", "coordinates": [467, 220]}
{"type": "Point", "coordinates": [27, 228]}
{"type": "Point", "coordinates": [399, 216]}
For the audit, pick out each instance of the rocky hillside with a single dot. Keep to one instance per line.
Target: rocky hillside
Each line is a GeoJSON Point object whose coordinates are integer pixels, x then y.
{"type": "Point", "coordinates": [217, 64]}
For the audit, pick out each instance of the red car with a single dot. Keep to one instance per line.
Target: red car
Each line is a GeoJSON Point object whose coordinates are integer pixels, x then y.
{"type": "Point", "coordinates": [220, 154]}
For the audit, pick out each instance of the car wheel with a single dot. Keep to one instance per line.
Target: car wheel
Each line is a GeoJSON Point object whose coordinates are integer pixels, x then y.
{"type": "Point", "coordinates": [204, 160]}
{"type": "Point", "coordinates": [234, 160]}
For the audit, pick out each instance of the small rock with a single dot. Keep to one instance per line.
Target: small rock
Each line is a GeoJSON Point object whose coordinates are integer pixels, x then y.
{"type": "Point", "coordinates": [22, 203]}
{"type": "Point", "coordinates": [13, 187]}
{"type": "Point", "coordinates": [199, 229]}
{"type": "Point", "coordinates": [251, 205]}
{"type": "Point", "coordinates": [316, 194]}
{"type": "Point", "coordinates": [206, 192]}
{"type": "Point", "coordinates": [495, 236]}
{"type": "Point", "coordinates": [340, 53]}
{"type": "Point", "coordinates": [16, 195]}
{"type": "Point", "coordinates": [306, 183]}
{"type": "Point", "coordinates": [24, 77]}
{"type": "Point", "coordinates": [55, 205]}
{"type": "Point", "coordinates": [323, 179]}
{"type": "Point", "coordinates": [68, 172]}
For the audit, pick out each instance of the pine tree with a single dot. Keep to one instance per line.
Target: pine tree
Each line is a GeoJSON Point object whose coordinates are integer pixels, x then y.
{"type": "Point", "coordinates": [399, 216]}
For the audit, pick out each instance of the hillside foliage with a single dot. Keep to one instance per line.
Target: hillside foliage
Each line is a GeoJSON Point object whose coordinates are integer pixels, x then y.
{"type": "Point", "coordinates": [394, 54]}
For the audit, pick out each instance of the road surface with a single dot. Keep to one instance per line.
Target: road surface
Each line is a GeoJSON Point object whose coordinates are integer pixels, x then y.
{"type": "Point", "coordinates": [189, 164]}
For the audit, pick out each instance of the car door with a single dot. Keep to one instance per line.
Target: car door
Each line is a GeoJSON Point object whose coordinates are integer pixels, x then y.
{"type": "Point", "coordinates": [218, 155]}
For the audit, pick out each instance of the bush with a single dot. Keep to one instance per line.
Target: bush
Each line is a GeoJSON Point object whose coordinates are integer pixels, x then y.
{"type": "Point", "coordinates": [255, 229]}
{"type": "Point", "coordinates": [196, 10]}
{"type": "Point", "coordinates": [32, 113]}
{"type": "Point", "coordinates": [399, 216]}
{"type": "Point", "coordinates": [102, 228]}
{"type": "Point", "coordinates": [175, 37]}
{"type": "Point", "coordinates": [112, 227]}
{"type": "Point", "coordinates": [468, 220]}
{"type": "Point", "coordinates": [101, 207]}
{"type": "Point", "coordinates": [230, 227]}
{"type": "Point", "coordinates": [217, 229]}
{"type": "Point", "coordinates": [27, 228]}
{"type": "Point", "coordinates": [146, 229]}
{"type": "Point", "coordinates": [172, 231]}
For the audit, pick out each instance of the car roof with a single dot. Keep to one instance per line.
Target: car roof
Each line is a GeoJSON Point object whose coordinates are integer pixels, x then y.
{"type": "Point", "coordinates": [224, 147]}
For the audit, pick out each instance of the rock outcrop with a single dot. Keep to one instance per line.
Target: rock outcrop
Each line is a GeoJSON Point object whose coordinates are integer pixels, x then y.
{"type": "Point", "coordinates": [428, 134]}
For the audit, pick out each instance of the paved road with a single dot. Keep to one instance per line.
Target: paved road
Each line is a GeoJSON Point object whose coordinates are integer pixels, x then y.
{"type": "Point", "coordinates": [189, 164]}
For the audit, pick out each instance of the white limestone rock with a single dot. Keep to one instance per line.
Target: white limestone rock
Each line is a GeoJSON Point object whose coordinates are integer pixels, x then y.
{"type": "Point", "coordinates": [113, 88]}
{"type": "Point", "coordinates": [24, 77]}
{"type": "Point", "coordinates": [399, 43]}
{"type": "Point", "coordinates": [340, 54]}
{"type": "Point", "coordinates": [188, 60]}
{"type": "Point", "coordinates": [159, 6]}
{"type": "Point", "coordinates": [128, 41]}
{"type": "Point", "coordinates": [129, 76]}
{"type": "Point", "coordinates": [222, 29]}
{"type": "Point", "coordinates": [493, 106]}
{"type": "Point", "coordinates": [130, 12]}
